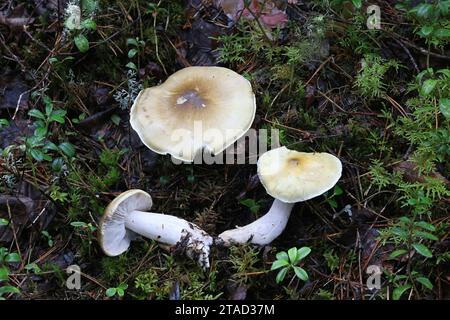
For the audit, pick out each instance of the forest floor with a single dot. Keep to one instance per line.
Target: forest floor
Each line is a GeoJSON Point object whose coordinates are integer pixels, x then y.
{"type": "Point", "coordinates": [324, 73]}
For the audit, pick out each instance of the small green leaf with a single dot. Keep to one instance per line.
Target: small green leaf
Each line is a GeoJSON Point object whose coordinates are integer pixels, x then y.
{"type": "Point", "coordinates": [115, 119]}
{"type": "Point", "coordinates": [251, 204]}
{"type": "Point", "coordinates": [397, 253]}
{"type": "Point", "coordinates": [442, 33]}
{"type": "Point", "coordinates": [40, 123]}
{"type": "Point", "coordinates": [303, 252]}
{"type": "Point", "coordinates": [357, 4]}
{"type": "Point", "coordinates": [82, 43]}
{"type": "Point", "coordinates": [282, 256]}
{"type": "Point", "coordinates": [48, 109]}
{"type": "Point", "coordinates": [426, 235]}
{"type": "Point", "coordinates": [38, 155]}
{"type": "Point", "coordinates": [12, 258]}
{"type": "Point", "coordinates": [120, 292]}
{"type": "Point", "coordinates": [281, 275]}
{"type": "Point", "coordinates": [51, 146]}
{"type": "Point", "coordinates": [89, 24]}
{"type": "Point", "coordinates": [47, 157]}
{"type": "Point", "coordinates": [36, 114]}
{"type": "Point", "coordinates": [123, 286]}
{"type": "Point", "coordinates": [278, 264]}
{"type": "Point", "coordinates": [423, 250]}
{"type": "Point", "coordinates": [332, 203]}
{"type": "Point", "coordinates": [338, 190]}
{"type": "Point", "coordinates": [425, 225]}
{"type": "Point", "coordinates": [405, 220]}
{"type": "Point", "coordinates": [89, 6]}
{"type": "Point", "coordinates": [40, 132]}
{"type": "Point", "coordinates": [57, 164]}
{"type": "Point", "coordinates": [131, 65]}
{"type": "Point", "coordinates": [444, 106]}
{"type": "Point", "coordinates": [78, 224]}
{"type": "Point", "coordinates": [4, 123]}
{"type": "Point", "coordinates": [47, 100]}
{"type": "Point", "coordinates": [398, 292]}
{"type": "Point", "coordinates": [445, 72]}
{"type": "Point", "coordinates": [58, 116]}
{"type": "Point", "coordinates": [68, 149]}
{"type": "Point", "coordinates": [3, 222]}
{"type": "Point", "coordinates": [427, 283]}
{"type": "Point", "coordinates": [399, 232]}
{"type": "Point", "coordinates": [428, 87]}
{"type": "Point", "coordinates": [301, 273]}
{"type": "Point", "coordinates": [423, 10]}
{"type": "Point", "coordinates": [111, 292]}
{"type": "Point", "coordinates": [132, 53]}
{"type": "Point", "coordinates": [443, 7]}
{"type": "Point", "coordinates": [293, 256]}
{"type": "Point", "coordinates": [4, 273]}
{"type": "Point", "coordinates": [8, 289]}
{"type": "Point", "coordinates": [132, 42]}
{"type": "Point", "coordinates": [33, 267]}
{"type": "Point", "coordinates": [426, 30]}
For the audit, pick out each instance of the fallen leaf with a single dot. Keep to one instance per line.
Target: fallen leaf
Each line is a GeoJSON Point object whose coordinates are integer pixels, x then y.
{"type": "Point", "coordinates": [410, 173]}
{"type": "Point", "coordinates": [267, 12]}
{"type": "Point", "coordinates": [20, 209]}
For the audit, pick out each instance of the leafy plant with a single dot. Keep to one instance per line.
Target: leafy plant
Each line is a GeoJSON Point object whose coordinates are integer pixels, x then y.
{"type": "Point", "coordinates": [80, 23]}
{"type": "Point", "coordinates": [370, 81]}
{"type": "Point", "coordinates": [136, 45]}
{"type": "Point", "coordinates": [431, 19]}
{"type": "Point", "coordinates": [289, 261]}
{"type": "Point", "coordinates": [330, 199]}
{"type": "Point", "coordinates": [86, 231]}
{"type": "Point", "coordinates": [119, 290]}
{"type": "Point", "coordinates": [410, 238]}
{"type": "Point", "coordinates": [38, 145]}
{"type": "Point", "coordinates": [7, 258]}
{"type": "Point", "coordinates": [48, 237]}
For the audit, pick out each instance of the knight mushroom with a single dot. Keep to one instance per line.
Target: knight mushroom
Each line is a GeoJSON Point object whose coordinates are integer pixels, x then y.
{"type": "Point", "coordinates": [128, 216]}
{"type": "Point", "coordinates": [196, 108]}
{"type": "Point", "coordinates": [288, 176]}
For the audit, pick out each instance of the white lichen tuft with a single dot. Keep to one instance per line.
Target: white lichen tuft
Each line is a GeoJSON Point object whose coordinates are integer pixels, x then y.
{"type": "Point", "coordinates": [124, 97]}
{"type": "Point", "coordinates": [73, 16]}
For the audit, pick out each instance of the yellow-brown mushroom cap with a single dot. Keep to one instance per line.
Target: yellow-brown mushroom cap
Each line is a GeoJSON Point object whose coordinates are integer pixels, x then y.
{"type": "Point", "coordinates": [195, 108]}
{"type": "Point", "coordinates": [114, 238]}
{"type": "Point", "coordinates": [293, 176]}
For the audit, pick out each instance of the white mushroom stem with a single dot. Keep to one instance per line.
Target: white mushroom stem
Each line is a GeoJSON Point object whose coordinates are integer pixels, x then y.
{"type": "Point", "coordinates": [264, 230]}
{"type": "Point", "coordinates": [172, 231]}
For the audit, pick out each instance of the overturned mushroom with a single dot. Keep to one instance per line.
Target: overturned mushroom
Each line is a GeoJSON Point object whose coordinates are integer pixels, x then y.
{"type": "Point", "coordinates": [127, 217]}
{"type": "Point", "coordinates": [196, 108]}
{"type": "Point", "coordinates": [288, 176]}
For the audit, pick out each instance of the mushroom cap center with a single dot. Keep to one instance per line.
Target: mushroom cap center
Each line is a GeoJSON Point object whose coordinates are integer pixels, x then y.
{"type": "Point", "coordinates": [293, 162]}
{"type": "Point", "coordinates": [191, 98]}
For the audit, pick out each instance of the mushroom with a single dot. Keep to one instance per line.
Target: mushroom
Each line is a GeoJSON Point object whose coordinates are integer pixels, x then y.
{"type": "Point", "coordinates": [127, 216]}
{"type": "Point", "coordinates": [288, 176]}
{"type": "Point", "coordinates": [196, 108]}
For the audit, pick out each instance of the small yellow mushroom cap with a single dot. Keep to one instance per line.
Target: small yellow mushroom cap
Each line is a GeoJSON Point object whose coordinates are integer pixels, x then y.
{"type": "Point", "coordinates": [293, 176]}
